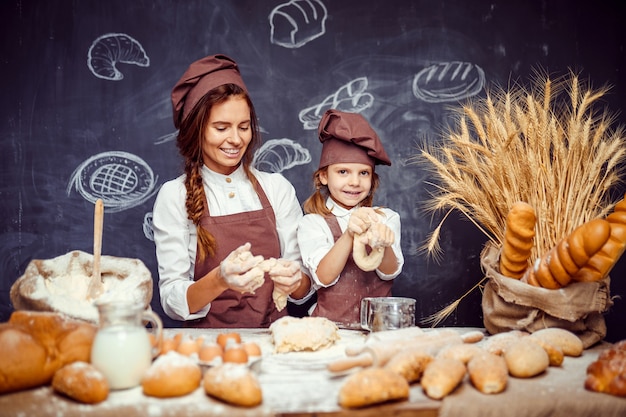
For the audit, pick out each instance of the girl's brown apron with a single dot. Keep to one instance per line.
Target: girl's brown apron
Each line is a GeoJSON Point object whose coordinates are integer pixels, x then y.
{"type": "Point", "coordinates": [231, 308]}
{"type": "Point", "coordinates": [341, 302]}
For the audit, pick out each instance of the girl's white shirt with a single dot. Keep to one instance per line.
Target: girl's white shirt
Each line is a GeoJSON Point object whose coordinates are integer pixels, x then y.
{"type": "Point", "coordinates": [175, 235]}
{"type": "Point", "coordinates": [315, 238]}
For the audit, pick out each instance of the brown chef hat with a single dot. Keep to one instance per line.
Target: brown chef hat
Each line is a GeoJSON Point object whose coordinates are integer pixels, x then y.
{"type": "Point", "coordinates": [201, 77]}
{"type": "Point", "coordinates": [347, 137]}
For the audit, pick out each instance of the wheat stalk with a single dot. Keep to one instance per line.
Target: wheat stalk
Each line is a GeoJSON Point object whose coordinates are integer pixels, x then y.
{"type": "Point", "coordinates": [559, 155]}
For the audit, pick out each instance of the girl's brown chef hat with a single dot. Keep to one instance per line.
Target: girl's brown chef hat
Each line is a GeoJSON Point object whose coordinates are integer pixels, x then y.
{"type": "Point", "coordinates": [348, 138]}
{"type": "Point", "coordinates": [201, 77]}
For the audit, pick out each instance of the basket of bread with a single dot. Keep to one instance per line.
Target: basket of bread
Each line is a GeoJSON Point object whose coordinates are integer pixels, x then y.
{"type": "Point", "coordinates": [535, 169]}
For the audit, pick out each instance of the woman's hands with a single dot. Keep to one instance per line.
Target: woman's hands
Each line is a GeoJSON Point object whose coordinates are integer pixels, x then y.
{"type": "Point", "coordinates": [241, 271]}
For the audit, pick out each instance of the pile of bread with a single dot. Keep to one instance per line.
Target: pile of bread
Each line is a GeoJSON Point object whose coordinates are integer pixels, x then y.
{"type": "Point", "coordinates": [587, 254]}
{"type": "Point", "coordinates": [439, 362]}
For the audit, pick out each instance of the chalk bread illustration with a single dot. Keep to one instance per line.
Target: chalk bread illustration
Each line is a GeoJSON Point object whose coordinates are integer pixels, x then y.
{"type": "Point", "coordinates": [448, 81]}
{"type": "Point", "coordinates": [108, 50]}
{"type": "Point", "coordinates": [297, 22]}
{"type": "Point", "coordinates": [278, 155]}
{"type": "Point", "coordinates": [122, 180]}
{"type": "Point", "coordinates": [350, 97]}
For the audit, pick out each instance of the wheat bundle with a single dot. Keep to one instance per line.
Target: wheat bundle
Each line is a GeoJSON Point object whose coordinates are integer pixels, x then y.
{"type": "Point", "coordinates": [546, 145]}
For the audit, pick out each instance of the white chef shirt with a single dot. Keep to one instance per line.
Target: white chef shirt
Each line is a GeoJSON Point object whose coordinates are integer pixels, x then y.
{"type": "Point", "coordinates": [316, 239]}
{"type": "Point", "coordinates": [175, 235]}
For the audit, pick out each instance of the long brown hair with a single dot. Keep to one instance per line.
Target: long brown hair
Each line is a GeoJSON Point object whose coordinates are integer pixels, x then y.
{"type": "Point", "coordinates": [316, 203]}
{"type": "Point", "coordinates": [189, 143]}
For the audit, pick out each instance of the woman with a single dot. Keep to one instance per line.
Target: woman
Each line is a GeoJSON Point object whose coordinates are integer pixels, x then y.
{"type": "Point", "coordinates": [216, 223]}
{"type": "Point", "coordinates": [340, 209]}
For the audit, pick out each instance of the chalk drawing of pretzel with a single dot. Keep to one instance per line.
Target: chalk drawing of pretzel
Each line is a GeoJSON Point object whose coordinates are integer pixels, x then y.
{"type": "Point", "coordinates": [107, 50]}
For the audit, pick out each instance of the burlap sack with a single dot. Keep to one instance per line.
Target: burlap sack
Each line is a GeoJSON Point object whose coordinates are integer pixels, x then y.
{"type": "Point", "coordinates": [509, 304]}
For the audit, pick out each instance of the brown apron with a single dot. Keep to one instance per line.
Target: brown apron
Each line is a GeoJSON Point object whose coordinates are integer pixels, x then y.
{"type": "Point", "coordinates": [341, 302]}
{"type": "Point", "coordinates": [231, 308]}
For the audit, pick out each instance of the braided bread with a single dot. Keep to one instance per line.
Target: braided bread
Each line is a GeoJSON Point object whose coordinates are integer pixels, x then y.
{"type": "Point", "coordinates": [556, 269]}
{"type": "Point", "coordinates": [602, 262]}
{"type": "Point", "coordinates": [518, 240]}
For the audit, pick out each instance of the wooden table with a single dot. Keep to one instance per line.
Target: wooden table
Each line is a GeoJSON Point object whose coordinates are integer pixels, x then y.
{"type": "Point", "coordinates": [298, 384]}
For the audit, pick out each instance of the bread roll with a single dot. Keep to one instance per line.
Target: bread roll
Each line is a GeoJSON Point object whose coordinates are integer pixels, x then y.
{"type": "Point", "coordinates": [410, 364]}
{"type": "Point", "coordinates": [499, 343]}
{"type": "Point", "coordinates": [82, 382]}
{"type": "Point", "coordinates": [233, 383]}
{"type": "Point", "coordinates": [463, 352]}
{"type": "Point", "coordinates": [555, 353]}
{"type": "Point", "coordinates": [603, 261]}
{"type": "Point", "coordinates": [568, 342]}
{"type": "Point", "coordinates": [488, 373]}
{"type": "Point", "coordinates": [171, 375]}
{"type": "Point", "coordinates": [372, 386]}
{"type": "Point", "coordinates": [442, 376]}
{"type": "Point", "coordinates": [526, 359]}
{"type": "Point", "coordinates": [517, 244]}
{"type": "Point", "coordinates": [556, 269]}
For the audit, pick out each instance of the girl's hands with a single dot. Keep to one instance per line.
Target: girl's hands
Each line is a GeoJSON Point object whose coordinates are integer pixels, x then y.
{"type": "Point", "coordinates": [361, 220]}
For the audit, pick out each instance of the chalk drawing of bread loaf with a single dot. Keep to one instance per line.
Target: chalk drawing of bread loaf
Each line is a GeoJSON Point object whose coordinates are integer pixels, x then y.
{"type": "Point", "coordinates": [448, 81]}
{"type": "Point", "coordinates": [107, 50]}
{"type": "Point", "coordinates": [297, 22]}
{"type": "Point", "coordinates": [278, 155]}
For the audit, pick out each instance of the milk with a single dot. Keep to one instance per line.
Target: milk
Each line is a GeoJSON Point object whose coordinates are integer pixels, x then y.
{"type": "Point", "coordinates": [123, 354]}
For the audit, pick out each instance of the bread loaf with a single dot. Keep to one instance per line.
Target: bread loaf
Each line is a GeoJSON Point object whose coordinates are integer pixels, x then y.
{"type": "Point", "coordinates": [603, 261]}
{"type": "Point", "coordinates": [372, 386]}
{"type": "Point", "coordinates": [233, 383]}
{"type": "Point", "coordinates": [34, 345]}
{"type": "Point", "coordinates": [442, 376]}
{"type": "Point", "coordinates": [171, 375]}
{"type": "Point", "coordinates": [526, 359]}
{"type": "Point", "coordinates": [82, 382]}
{"type": "Point", "coordinates": [518, 240]}
{"type": "Point", "coordinates": [463, 352]}
{"type": "Point", "coordinates": [488, 373]}
{"type": "Point", "coordinates": [410, 364]}
{"type": "Point", "coordinates": [568, 342]}
{"type": "Point", "coordinates": [556, 269]}
{"type": "Point", "coordinates": [555, 353]}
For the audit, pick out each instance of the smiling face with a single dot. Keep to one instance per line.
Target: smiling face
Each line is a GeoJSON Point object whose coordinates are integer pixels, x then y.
{"type": "Point", "coordinates": [348, 183]}
{"type": "Point", "coordinates": [227, 135]}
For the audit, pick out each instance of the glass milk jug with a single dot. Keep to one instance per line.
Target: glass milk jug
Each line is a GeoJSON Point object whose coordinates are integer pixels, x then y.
{"type": "Point", "coordinates": [122, 350]}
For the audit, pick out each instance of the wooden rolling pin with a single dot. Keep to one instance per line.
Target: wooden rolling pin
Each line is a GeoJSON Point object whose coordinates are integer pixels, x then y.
{"type": "Point", "coordinates": [379, 353]}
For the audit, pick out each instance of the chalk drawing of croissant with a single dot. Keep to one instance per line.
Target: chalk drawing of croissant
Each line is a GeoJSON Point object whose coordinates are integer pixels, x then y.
{"type": "Point", "coordinates": [350, 97]}
{"type": "Point", "coordinates": [278, 155]}
{"type": "Point", "coordinates": [297, 22]}
{"type": "Point", "coordinates": [108, 50]}
{"type": "Point", "coordinates": [121, 179]}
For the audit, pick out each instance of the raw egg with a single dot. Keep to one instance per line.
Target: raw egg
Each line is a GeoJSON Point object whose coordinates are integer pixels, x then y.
{"type": "Point", "coordinates": [209, 351]}
{"type": "Point", "coordinates": [170, 343]}
{"type": "Point", "coordinates": [188, 347]}
{"type": "Point", "coordinates": [236, 354]}
{"type": "Point", "coordinates": [252, 349]}
{"type": "Point", "coordinates": [223, 338]}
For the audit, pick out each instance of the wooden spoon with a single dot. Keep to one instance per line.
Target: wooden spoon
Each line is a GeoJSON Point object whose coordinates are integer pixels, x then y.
{"type": "Point", "coordinates": [95, 285]}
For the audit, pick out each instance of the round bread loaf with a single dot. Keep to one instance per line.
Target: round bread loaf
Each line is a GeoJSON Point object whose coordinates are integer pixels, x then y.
{"type": "Point", "coordinates": [526, 359]}
{"type": "Point", "coordinates": [233, 383]}
{"type": "Point", "coordinates": [82, 382]}
{"type": "Point", "coordinates": [372, 386]}
{"type": "Point", "coordinates": [22, 360]}
{"type": "Point", "coordinates": [171, 375]}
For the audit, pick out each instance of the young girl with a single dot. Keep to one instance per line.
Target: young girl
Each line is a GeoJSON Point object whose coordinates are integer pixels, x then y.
{"type": "Point", "coordinates": [339, 209]}
{"type": "Point", "coordinates": [214, 224]}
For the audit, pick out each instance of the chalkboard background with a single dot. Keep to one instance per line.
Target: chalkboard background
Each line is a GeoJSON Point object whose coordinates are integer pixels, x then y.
{"type": "Point", "coordinates": [69, 119]}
